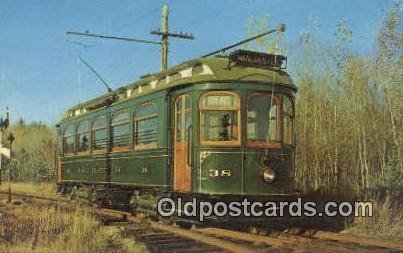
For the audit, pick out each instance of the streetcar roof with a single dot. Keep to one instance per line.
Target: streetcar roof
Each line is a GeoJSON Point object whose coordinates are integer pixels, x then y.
{"type": "Point", "coordinates": [212, 69]}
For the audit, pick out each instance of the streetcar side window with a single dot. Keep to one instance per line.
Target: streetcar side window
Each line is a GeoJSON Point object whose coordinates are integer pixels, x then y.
{"type": "Point", "coordinates": [262, 123]}
{"type": "Point", "coordinates": [120, 131]}
{"type": "Point", "coordinates": [145, 126]}
{"type": "Point", "coordinates": [83, 136]}
{"type": "Point", "coordinates": [68, 140]}
{"type": "Point", "coordinates": [219, 118]}
{"type": "Point", "coordinates": [288, 118]}
{"type": "Point", "coordinates": [99, 134]}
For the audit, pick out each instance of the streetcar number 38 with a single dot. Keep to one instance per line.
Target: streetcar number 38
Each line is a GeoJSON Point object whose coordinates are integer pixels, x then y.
{"type": "Point", "coordinates": [220, 173]}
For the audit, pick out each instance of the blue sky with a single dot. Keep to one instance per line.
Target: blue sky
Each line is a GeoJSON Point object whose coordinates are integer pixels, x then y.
{"type": "Point", "coordinates": [40, 75]}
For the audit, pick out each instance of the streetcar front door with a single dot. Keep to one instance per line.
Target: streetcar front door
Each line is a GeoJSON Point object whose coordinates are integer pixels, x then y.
{"type": "Point", "coordinates": [182, 144]}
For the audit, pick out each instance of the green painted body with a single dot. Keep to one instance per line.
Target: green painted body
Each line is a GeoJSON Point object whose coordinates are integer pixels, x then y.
{"type": "Point", "coordinates": [154, 168]}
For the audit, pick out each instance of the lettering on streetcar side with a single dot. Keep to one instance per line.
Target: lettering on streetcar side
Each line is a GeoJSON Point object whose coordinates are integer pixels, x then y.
{"type": "Point", "coordinates": [115, 170]}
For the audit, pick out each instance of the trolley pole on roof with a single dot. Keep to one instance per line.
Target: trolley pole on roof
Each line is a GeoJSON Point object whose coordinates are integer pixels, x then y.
{"type": "Point", "coordinates": [165, 34]}
{"type": "Point", "coordinates": [281, 28]}
{"type": "Point", "coordinates": [96, 73]}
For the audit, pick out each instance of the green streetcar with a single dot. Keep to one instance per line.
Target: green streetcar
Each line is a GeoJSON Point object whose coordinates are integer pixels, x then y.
{"type": "Point", "coordinates": [214, 127]}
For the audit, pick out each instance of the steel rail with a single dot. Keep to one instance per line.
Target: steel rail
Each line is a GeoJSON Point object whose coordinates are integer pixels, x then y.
{"type": "Point", "coordinates": [213, 236]}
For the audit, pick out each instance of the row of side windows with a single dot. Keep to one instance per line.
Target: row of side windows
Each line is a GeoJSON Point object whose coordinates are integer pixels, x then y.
{"type": "Point", "coordinates": [78, 138]}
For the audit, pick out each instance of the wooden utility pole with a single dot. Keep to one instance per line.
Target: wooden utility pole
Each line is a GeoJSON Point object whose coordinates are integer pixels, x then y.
{"type": "Point", "coordinates": [164, 39]}
{"type": "Point", "coordinates": [165, 34]}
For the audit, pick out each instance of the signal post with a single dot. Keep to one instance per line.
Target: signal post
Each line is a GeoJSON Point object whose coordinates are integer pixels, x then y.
{"type": "Point", "coordinates": [4, 122]}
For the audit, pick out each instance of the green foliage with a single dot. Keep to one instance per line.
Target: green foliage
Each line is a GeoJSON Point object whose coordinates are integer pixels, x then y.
{"type": "Point", "coordinates": [258, 25]}
{"type": "Point", "coordinates": [348, 113]}
{"type": "Point", "coordinates": [34, 150]}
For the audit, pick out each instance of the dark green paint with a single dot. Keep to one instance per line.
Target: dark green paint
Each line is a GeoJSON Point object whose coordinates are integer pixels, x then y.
{"type": "Point", "coordinates": [154, 167]}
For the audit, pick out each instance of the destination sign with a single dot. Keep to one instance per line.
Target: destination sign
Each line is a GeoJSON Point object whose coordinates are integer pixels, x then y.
{"type": "Point", "coordinates": [255, 59]}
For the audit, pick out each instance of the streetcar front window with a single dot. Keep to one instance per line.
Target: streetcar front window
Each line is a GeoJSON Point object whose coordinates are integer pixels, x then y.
{"type": "Point", "coordinates": [220, 118]}
{"type": "Point", "coordinates": [263, 127]}
{"type": "Point", "coordinates": [220, 126]}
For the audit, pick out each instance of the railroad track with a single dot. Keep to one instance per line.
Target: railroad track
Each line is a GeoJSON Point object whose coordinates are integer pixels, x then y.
{"type": "Point", "coordinates": [161, 237]}
{"type": "Point", "coordinates": [158, 237]}
{"type": "Point", "coordinates": [161, 240]}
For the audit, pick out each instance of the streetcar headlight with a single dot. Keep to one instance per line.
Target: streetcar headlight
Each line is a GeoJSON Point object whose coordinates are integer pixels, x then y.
{"type": "Point", "coordinates": [269, 175]}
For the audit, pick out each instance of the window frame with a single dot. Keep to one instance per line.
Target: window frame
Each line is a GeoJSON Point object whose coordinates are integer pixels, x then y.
{"type": "Point", "coordinates": [236, 108]}
{"type": "Point", "coordinates": [64, 137]}
{"type": "Point", "coordinates": [79, 134]}
{"type": "Point", "coordinates": [184, 134]}
{"type": "Point", "coordinates": [135, 126]}
{"type": "Point", "coordinates": [113, 125]}
{"type": "Point", "coordinates": [292, 116]}
{"type": "Point", "coordinates": [93, 130]}
{"type": "Point", "coordinates": [264, 144]}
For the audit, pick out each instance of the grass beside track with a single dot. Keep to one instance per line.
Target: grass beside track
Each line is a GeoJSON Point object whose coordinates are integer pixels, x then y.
{"type": "Point", "coordinates": [31, 228]}
{"type": "Point", "coordinates": [387, 222]}
{"type": "Point", "coordinates": [34, 188]}
{"type": "Point", "coordinates": [46, 229]}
